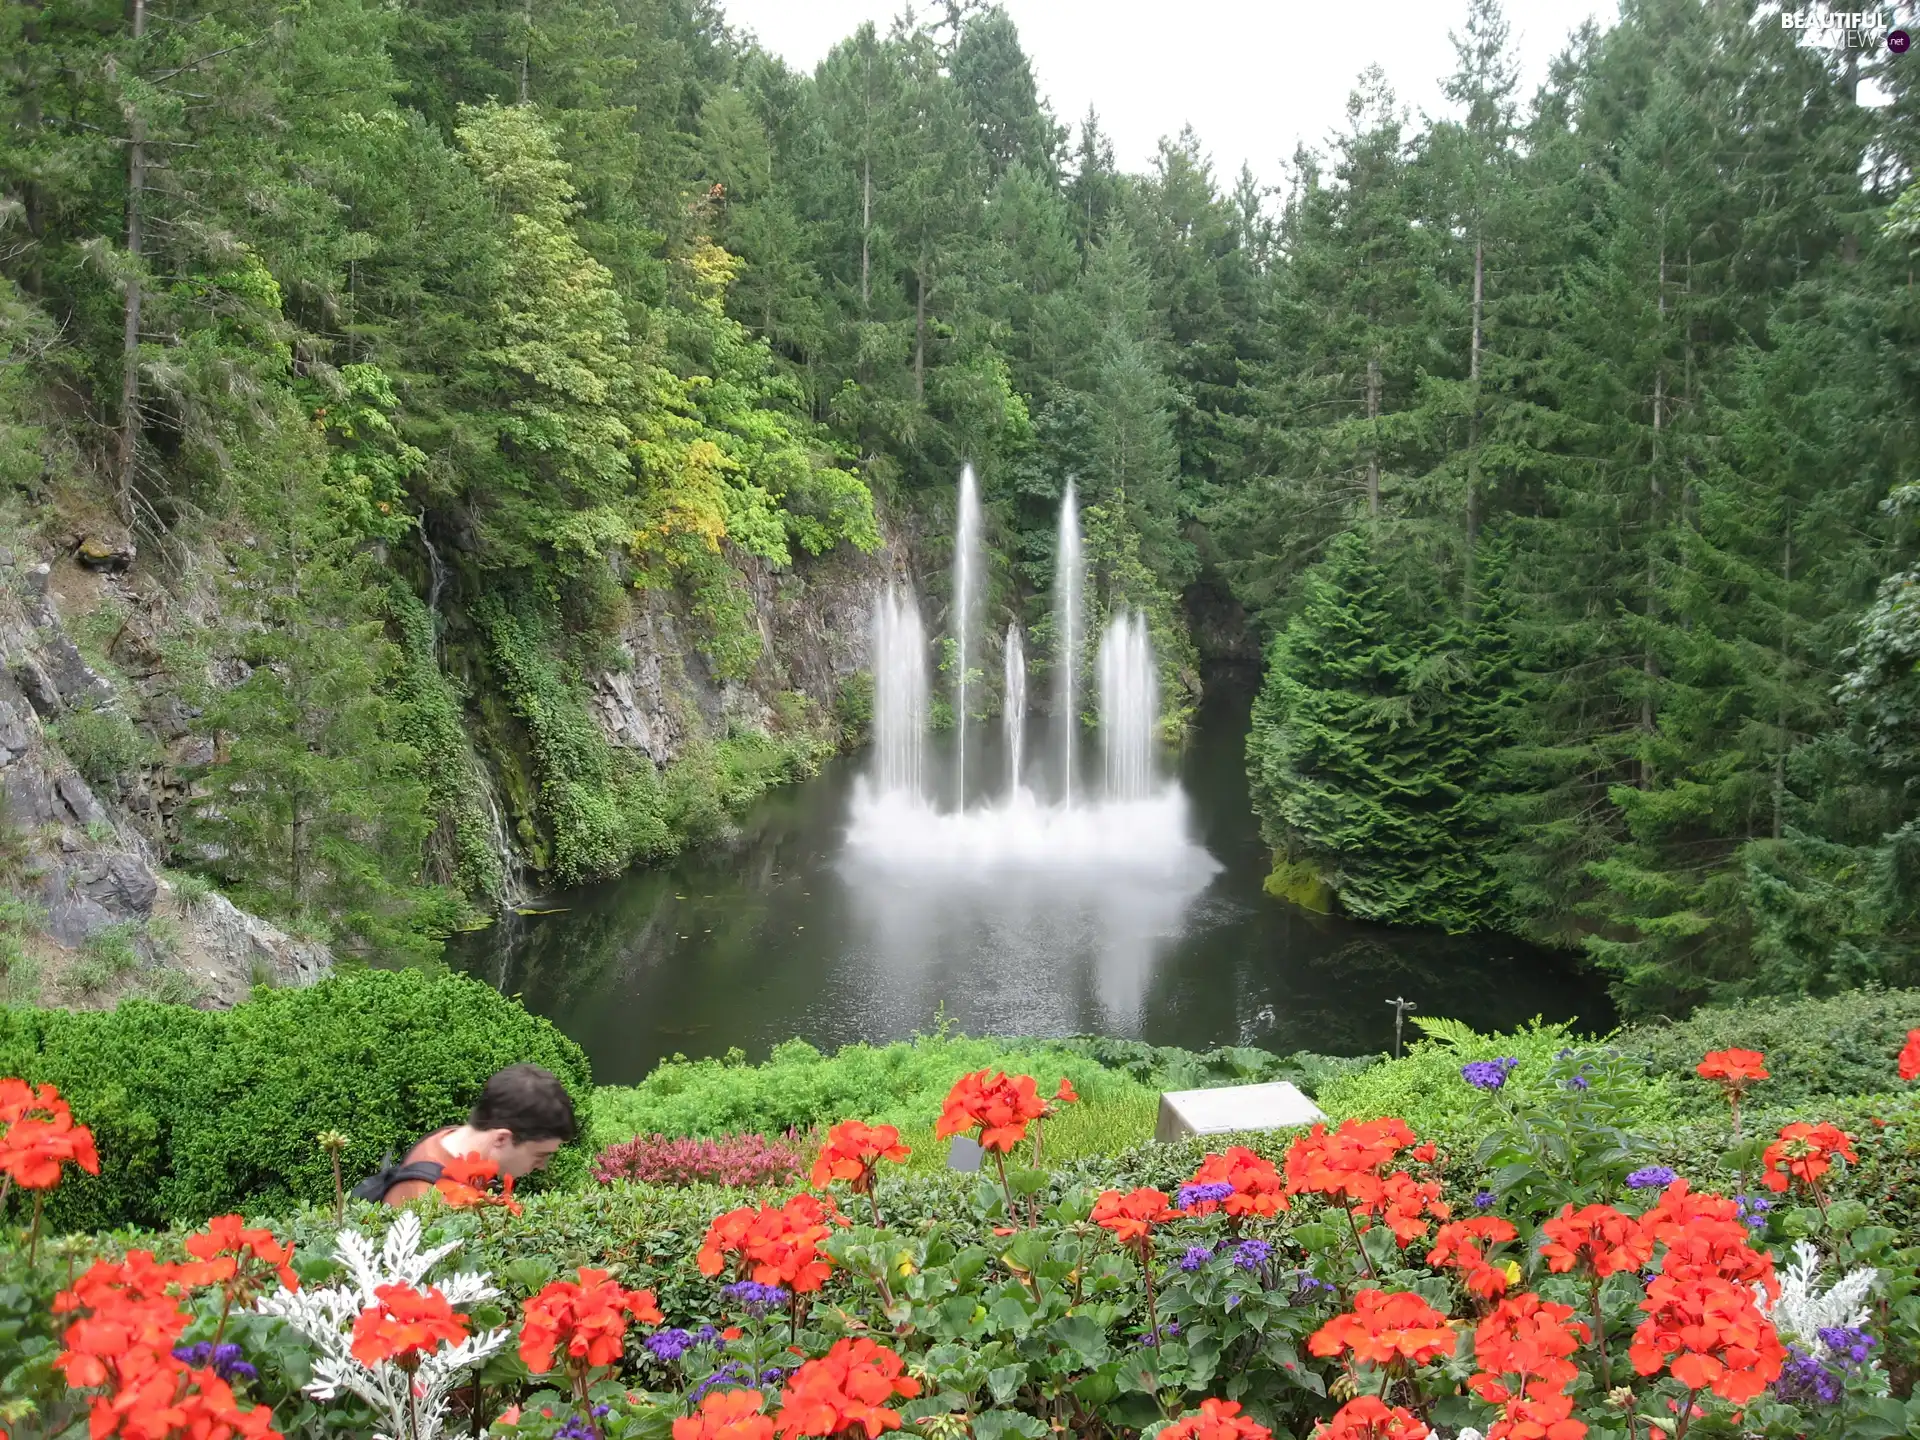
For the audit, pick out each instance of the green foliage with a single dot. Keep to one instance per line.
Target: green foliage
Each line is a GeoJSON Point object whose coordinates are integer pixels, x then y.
{"type": "Point", "coordinates": [901, 1084]}
{"type": "Point", "coordinates": [196, 1114]}
{"type": "Point", "coordinates": [19, 974]}
{"type": "Point", "coordinates": [104, 745]}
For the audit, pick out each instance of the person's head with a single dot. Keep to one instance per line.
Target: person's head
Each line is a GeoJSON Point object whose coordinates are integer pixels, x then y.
{"type": "Point", "coordinates": [526, 1115]}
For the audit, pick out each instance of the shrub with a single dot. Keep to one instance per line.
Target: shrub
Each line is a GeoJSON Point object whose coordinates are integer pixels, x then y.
{"type": "Point", "coordinates": [799, 1087]}
{"type": "Point", "coordinates": [733, 1160]}
{"type": "Point", "coordinates": [1846, 1045]}
{"type": "Point", "coordinates": [196, 1114]}
{"type": "Point", "coordinates": [104, 745]}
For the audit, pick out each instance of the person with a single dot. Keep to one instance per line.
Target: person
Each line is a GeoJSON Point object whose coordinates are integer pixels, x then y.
{"type": "Point", "coordinates": [522, 1117]}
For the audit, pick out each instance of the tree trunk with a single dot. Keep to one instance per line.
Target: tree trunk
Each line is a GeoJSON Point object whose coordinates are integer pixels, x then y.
{"type": "Point", "coordinates": [1373, 447]}
{"type": "Point", "coordinates": [866, 228]}
{"type": "Point", "coordinates": [526, 46]}
{"type": "Point", "coordinates": [130, 319]}
{"type": "Point", "coordinates": [1473, 424]}
{"type": "Point", "coordinates": [1783, 740]}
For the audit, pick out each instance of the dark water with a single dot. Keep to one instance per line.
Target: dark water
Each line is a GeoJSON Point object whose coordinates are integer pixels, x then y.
{"type": "Point", "coordinates": [777, 936]}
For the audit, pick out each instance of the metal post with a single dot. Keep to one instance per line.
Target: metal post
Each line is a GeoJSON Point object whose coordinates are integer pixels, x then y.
{"type": "Point", "coordinates": [1400, 1007]}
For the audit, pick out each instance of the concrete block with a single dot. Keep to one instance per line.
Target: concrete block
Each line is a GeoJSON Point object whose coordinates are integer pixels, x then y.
{"type": "Point", "coordinates": [1275, 1106]}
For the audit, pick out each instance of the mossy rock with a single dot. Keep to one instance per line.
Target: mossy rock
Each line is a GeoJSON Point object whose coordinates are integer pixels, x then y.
{"type": "Point", "coordinates": [1299, 883]}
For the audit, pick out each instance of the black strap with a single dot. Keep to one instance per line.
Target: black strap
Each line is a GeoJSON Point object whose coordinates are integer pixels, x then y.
{"type": "Point", "coordinates": [375, 1187]}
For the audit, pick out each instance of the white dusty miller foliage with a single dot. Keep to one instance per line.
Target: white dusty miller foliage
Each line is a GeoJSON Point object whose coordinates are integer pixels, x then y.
{"type": "Point", "coordinates": [415, 1405]}
{"type": "Point", "coordinates": [1803, 1310]}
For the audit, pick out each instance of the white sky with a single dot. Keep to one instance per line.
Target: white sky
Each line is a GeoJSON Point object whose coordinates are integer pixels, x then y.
{"type": "Point", "coordinates": [1253, 77]}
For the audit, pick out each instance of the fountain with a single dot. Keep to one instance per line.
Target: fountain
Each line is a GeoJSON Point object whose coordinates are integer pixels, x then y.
{"type": "Point", "coordinates": [1069, 581]}
{"type": "Point", "coordinates": [1135, 821]}
{"type": "Point", "coordinates": [899, 696]}
{"type": "Point", "coordinates": [1013, 706]}
{"type": "Point", "coordinates": [966, 556]}
{"type": "Point", "coordinates": [1129, 706]}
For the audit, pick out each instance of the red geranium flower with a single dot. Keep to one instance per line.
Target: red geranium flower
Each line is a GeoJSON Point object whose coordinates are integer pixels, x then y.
{"type": "Point", "coordinates": [1457, 1245]}
{"type": "Point", "coordinates": [587, 1319]}
{"type": "Point", "coordinates": [1383, 1327]}
{"type": "Point", "coordinates": [1597, 1238]}
{"type": "Point", "coordinates": [849, 1385]}
{"type": "Point", "coordinates": [852, 1153]}
{"type": "Point", "coordinates": [774, 1245]}
{"type": "Point", "coordinates": [466, 1182]}
{"type": "Point", "coordinates": [1733, 1070]}
{"type": "Point", "coordinates": [1216, 1420]}
{"type": "Point", "coordinates": [726, 1415]}
{"type": "Point", "coordinates": [1131, 1217]}
{"type": "Point", "coordinates": [1708, 1332]}
{"type": "Point", "coordinates": [1368, 1417]}
{"type": "Point", "coordinates": [33, 1150]}
{"type": "Point", "coordinates": [227, 1236]}
{"type": "Point", "coordinates": [1346, 1164]}
{"type": "Point", "coordinates": [1704, 1237]}
{"type": "Point", "coordinates": [1804, 1152]}
{"type": "Point", "coordinates": [403, 1324]}
{"type": "Point", "coordinates": [1910, 1057]}
{"type": "Point", "coordinates": [999, 1106]}
{"type": "Point", "coordinates": [1257, 1187]}
{"type": "Point", "coordinates": [1530, 1338]}
{"type": "Point", "coordinates": [1404, 1206]}
{"type": "Point", "coordinates": [1065, 1094]}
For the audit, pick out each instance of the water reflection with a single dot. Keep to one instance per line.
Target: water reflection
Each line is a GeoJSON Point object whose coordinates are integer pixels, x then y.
{"type": "Point", "coordinates": [791, 932]}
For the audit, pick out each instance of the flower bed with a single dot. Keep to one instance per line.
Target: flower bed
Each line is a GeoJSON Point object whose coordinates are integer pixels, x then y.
{"type": "Point", "coordinates": [1563, 1278]}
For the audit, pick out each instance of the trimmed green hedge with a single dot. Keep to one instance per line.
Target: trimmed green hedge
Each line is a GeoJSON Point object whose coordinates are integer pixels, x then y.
{"type": "Point", "coordinates": [196, 1114]}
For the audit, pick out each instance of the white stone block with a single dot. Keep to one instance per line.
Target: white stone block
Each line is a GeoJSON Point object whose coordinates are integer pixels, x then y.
{"type": "Point", "coordinates": [1275, 1106]}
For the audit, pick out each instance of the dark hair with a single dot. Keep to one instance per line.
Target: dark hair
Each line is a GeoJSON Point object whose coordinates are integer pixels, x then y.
{"type": "Point", "coordinates": [526, 1100]}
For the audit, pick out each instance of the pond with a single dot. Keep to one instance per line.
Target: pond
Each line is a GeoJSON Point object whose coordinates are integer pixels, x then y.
{"type": "Point", "coordinates": [788, 931]}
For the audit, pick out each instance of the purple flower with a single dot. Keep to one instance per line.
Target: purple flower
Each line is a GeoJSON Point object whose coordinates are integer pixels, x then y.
{"type": "Point", "coordinates": [1848, 1344]}
{"type": "Point", "coordinates": [578, 1427]}
{"type": "Point", "coordinates": [669, 1345]}
{"type": "Point", "coordinates": [1251, 1254]}
{"type": "Point", "coordinates": [728, 1374]}
{"type": "Point", "coordinates": [1191, 1195]}
{"type": "Point", "coordinates": [1753, 1210]}
{"type": "Point", "coordinates": [706, 1335]}
{"type": "Point", "coordinates": [755, 1298]}
{"type": "Point", "coordinates": [773, 1375]}
{"type": "Point", "coordinates": [1803, 1379]}
{"type": "Point", "coordinates": [228, 1361]}
{"type": "Point", "coordinates": [1166, 1332]}
{"type": "Point", "coordinates": [1483, 1198]}
{"type": "Point", "coordinates": [1578, 1082]}
{"type": "Point", "coordinates": [1651, 1177]}
{"type": "Point", "coordinates": [1308, 1286]}
{"type": "Point", "coordinates": [1487, 1074]}
{"type": "Point", "coordinates": [1196, 1256]}
{"type": "Point", "coordinates": [600, 1412]}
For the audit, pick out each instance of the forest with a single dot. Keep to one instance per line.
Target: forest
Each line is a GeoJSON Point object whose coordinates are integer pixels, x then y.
{"type": "Point", "coordinates": [1557, 451]}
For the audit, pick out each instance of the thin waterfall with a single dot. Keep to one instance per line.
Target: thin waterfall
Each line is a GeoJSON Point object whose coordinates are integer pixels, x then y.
{"type": "Point", "coordinates": [1129, 706]}
{"type": "Point", "coordinates": [1069, 583]}
{"type": "Point", "coordinates": [899, 695]}
{"type": "Point", "coordinates": [1013, 707]}
{"type": "Point", "coordinates": [966, 571]}
{"type": "Point", "coordinates": [436, 583]}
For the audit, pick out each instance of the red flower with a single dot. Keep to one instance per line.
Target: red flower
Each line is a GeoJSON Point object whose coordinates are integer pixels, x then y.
{"type": "Point", "coordinates": [403, 1324]}
{"type": "Point", "coordinates": [1383, 1327]}
{"type": "Point", "coordinates": [1527, 1337]}
{"type": "Point", "coordinates": [227, 1236]}
{"type": "Point", "coordinates": [999, 1106]}
{"type": "Point", "coordinates": [1597, 1238]}
{"type": "Point", "coordinates": [466, 1182]}
{"type": "Point", "coordinates": [849, 1385]}
{"type": "Point", "coordinates": [726, 1415]}
{"type": "Point", "coordinates": [1131, 1217]}
{"type": "Point", "coordinates": [774, 1245]}
{"type": "Point", "coordinates": [1404, 1205]}
{"type": "Point", "coordinates": [1708, 1332]}
{"type": "Point", "coordinates": [1216, 1420]}
{"type": "Point", "coordinates": [1457, 1245]}
{"type": "Point", "coordinates": [1065, 1095]}
{"type": "Point", "coordinates": [1804, 1152]}
{"type": "Point", "coordinates": [853, 1151]}
{"type": "Point", "coordinates": [33, 1149]}
{"type": "Point", "coordinates": [587, 1319]}
{"type": "Point", "coordinates": [1346, 1164]}
{"type": "Point", "coordinates": [1368, 1417]}
{"type": "Point", "coordinates": [1733, 1070]}
{"type": "Point", "coordinates": [1705, 1237]}
{"type": "Point", "coordinates": [1257, 1188]}
{"type": "Point", "coordinates": [1910, 1057]}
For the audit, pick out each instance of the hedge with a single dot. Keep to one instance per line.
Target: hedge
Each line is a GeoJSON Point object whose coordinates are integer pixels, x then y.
{"type": "Point", "coordinates": [197, 1114]}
